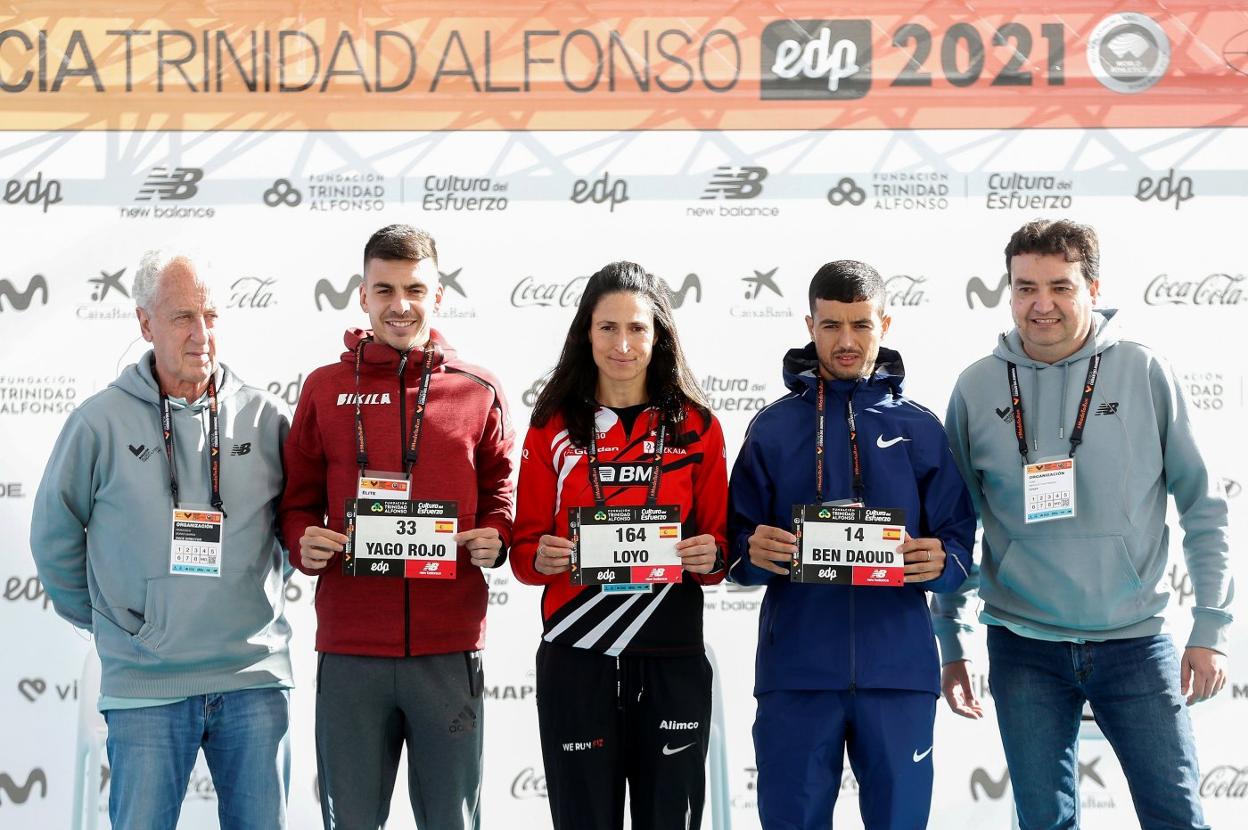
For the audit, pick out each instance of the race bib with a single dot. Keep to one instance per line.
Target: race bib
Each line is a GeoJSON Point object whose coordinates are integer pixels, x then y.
{"type": "Point", "coordinates": [413, 539]}
{"type": "Point", "coordinates": [848, 545]}
{"type": "Point", "coordinates": [625, 548]}
{"type": "Point", "coordinates": [195, 545]}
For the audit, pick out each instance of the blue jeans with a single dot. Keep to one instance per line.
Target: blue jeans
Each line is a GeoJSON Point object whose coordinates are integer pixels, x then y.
{"type": "Point", "coordinates": [244, 735]}
{"type": "Point", "coordinates": [1133, 688]}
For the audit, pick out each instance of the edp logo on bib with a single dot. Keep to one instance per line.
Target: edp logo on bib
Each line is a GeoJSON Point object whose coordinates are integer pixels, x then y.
{"type": "Point", "coordinates": [816, 59]}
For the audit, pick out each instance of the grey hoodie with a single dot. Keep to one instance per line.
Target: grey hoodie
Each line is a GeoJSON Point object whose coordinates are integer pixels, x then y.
{"type": "Point", "coordinates": [1099, 575]}
{"type": "Point", "coordinates": [100, 535]}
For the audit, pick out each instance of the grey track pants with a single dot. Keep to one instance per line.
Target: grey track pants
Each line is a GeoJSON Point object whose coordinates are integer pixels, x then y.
{"type": "Point", "coordinates": [367, 707]}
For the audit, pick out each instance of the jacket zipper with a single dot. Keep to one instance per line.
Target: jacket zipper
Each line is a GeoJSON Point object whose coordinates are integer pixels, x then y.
{"type": "Point", "coordinates": [853, 662]}
{"type": "Point", "coordinates": [407, 594]}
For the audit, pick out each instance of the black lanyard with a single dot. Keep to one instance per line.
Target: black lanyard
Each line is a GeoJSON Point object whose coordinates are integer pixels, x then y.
{"type": "Point", "coordinates": [411, 450]}
{"type": "Point", "coordinates": [214, 444]}
{"type": "Point", "coordinates": [656, 469]}
{"type": "Point", "coordinates": [1081, 416]}
{"type": "Point", "coordinates": [855, 456]}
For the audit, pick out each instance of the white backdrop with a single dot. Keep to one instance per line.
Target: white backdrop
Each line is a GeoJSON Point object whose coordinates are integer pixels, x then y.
{"type": "Point", "coordinates": [1175, 266]}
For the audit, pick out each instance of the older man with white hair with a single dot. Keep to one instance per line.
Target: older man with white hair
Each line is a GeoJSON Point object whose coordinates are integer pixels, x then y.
{"type": "Point", "coordinates": [153, 528]}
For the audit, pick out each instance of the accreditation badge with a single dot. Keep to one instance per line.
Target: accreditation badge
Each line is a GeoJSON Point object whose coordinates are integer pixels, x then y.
{"type": "Point", "coordinates": [625, 549]}
{"type": "Point", "coordinates": [390, 537]}
{"type": "Point", "coordinates": [1049, 490]}
{"type": "Point", "coordinates": [195, 542]}
{"type": "Point", "coordinates": [848, 545]}
{"type": "Point", "coordinates": [379, 485]}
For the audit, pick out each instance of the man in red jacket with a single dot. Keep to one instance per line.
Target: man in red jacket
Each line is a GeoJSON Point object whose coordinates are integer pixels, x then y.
{"type": "Point", "coordinates": [399, 419]}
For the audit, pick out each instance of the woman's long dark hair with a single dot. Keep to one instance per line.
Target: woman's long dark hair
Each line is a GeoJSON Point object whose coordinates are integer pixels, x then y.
{"type": "Point", "coordinates": [573, 383]}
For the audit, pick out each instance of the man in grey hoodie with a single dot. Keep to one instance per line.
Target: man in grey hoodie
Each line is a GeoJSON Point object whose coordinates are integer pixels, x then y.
{"type": "Point", "coordinates": [154, 529]}
{"type": "Point", "coordinates": [1070, 439]}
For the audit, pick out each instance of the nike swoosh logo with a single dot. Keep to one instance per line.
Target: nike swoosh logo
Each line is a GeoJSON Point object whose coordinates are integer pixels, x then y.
{"type": "Point", "coordinates": [667, 750]}
{"type": "Point", "coordinates": [919, 756]}
{"type": "Point", "coordinates": [882, 444]}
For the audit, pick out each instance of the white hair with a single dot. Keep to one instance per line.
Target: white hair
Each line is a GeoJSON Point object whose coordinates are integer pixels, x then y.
{"type": "Point", "coordinates": [153, 267]}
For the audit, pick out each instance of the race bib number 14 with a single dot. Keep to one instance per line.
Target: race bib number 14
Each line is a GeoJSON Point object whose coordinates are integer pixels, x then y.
{"type": "Point", "coordinates": [848, 545]}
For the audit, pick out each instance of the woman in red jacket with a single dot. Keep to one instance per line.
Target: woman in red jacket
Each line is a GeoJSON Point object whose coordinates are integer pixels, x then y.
{"type": "Point", "coordinates": [623, 684]}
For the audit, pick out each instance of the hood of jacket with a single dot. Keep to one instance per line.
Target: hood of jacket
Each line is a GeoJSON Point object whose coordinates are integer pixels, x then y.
{"type": "Point", "coordinates": [801, 372]}
{"type": "Point", "coordinates": [139, 380]}
{"type": "Point", "coordinates": [383, 357]}
{"type": "Point", "coordinates": [1105, 333]}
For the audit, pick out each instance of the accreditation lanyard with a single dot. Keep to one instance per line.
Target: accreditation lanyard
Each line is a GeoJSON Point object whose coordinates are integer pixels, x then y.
{"type": "Point", "coordinates": [411, 450]}
{"type": "Point", "coordinates": [214, 446]}
{"type": "Point", "coordinates": [656, 469]}
{"type": "Point", "coordinates": [1081, 416]}
{"type": "Point", "coordinates": [855, 457]}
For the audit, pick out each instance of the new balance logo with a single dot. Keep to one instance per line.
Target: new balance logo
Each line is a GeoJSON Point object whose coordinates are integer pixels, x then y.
{"type": "Point", "coordinates": [175, 185]}
{"type": "Point", "coordinates": [988, 297]}
{"type": "Point", "coordinates": [735, 183]}
{"type": "Point", "coordinates": [879, 573]}
{"type": "Point", "coordinates": [430, 567]}
{"type": "Point", "coordinates": [241, 449]}
{"type": "Point", "coordinates": [691, 283]}
{"type": "Point", "coordinates": [1108, 408]}
{"type": "Point", "coordinates": [1003, 414]}
{"type": "Point", "coordinates": [338, 299]}
{"type": "Point", "coordinates": [656, 573]}
{"type": "Point", "coordinates": [141, 452]}
{"type": "Point", "coordinates": [21, 300]}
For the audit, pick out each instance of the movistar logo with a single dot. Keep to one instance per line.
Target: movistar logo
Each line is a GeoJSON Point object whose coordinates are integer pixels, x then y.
{"type": "Point", "coordinates": [338, 299]}
{"type": "Point", "coordinates": [988, 297]}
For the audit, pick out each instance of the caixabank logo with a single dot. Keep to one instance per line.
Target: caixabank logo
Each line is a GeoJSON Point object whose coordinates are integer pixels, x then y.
{"type": "Point", "coordinates": [815, 59]}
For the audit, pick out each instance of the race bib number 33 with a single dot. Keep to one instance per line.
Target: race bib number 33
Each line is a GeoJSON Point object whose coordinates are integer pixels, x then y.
{"type": "Point", "coordinates": [848, 545]}
{"type": "Point", "coordinates": [389, 537]}
{"type": "Point", "coordinates": [625, 545]}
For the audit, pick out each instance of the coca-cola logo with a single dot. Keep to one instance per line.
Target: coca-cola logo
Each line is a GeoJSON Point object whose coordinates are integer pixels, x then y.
{"type": "Point", "coordinates": [529, 293]}
{"type": "Point", "coordinates": [252, 292]}
{"type": "Point", "coordinates": [1225, 782]}
{"type": "Point", "coordinates": [904, 290]}
{"type": "Point", "coordinates": [1215, 289]}
{"type": "Point", "coordinates": [528, 783]}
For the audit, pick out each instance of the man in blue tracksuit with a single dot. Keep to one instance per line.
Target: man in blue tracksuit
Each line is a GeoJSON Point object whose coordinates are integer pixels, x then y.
{"type": "Point", "coordinates": [844, 667]}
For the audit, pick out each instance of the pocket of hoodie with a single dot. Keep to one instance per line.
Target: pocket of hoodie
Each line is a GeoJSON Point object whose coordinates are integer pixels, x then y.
{"type": "Point", "coordinates": [191, 619]}
{"type": "Point", "coordinates": [1082, 582]}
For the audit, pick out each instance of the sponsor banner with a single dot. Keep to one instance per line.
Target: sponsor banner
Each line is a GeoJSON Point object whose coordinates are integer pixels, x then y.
{"type": "Point", "coordinates": [374, 65]}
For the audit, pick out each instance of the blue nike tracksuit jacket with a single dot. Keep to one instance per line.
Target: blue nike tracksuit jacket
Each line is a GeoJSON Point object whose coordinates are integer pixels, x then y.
{"type": "Point", "coordinates": [834, 638]}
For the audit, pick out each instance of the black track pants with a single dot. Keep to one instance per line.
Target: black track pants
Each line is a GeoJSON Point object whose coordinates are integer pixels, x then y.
{"type": "Point", "coordinates": [606, 720]}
